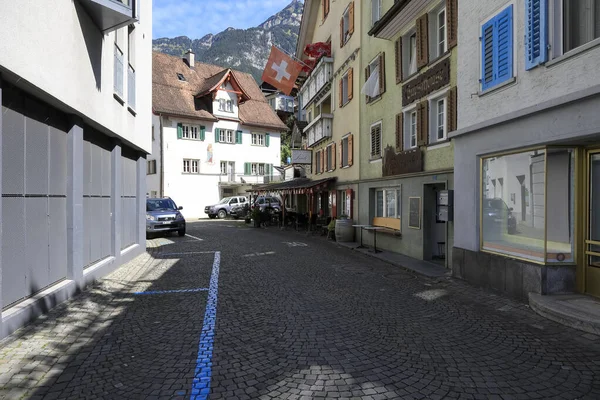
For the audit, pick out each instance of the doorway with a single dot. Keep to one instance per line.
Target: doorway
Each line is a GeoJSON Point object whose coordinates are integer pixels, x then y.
{"type": "Point", "coordinates": [434, 230]}
{"type": "Point", "coordinates": [592, 242]}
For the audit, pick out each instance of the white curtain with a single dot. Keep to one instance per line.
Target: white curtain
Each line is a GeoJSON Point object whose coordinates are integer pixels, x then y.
{"type": "Point", "coordinates": [371, 86]}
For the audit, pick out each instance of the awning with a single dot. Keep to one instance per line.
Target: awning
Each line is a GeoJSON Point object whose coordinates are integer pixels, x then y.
{"type": "Point", "coordinates": [295, 186]}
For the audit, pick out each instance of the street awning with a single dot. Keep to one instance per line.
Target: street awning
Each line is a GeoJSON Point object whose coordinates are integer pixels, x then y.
{"type": "Point", "coordinates": [295, 186]}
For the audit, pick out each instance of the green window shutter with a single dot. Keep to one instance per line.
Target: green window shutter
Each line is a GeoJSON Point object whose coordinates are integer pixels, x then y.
{"type": "Point", "coordinates": [216, 135]}
{"type": "Point", "coordinates": [267, 139]}
{"type": "Point", "coordinates": [179, 131]}
{"type": "Point", "coordinates": [202, 133]}
{"type": "Point", "coordinates": [238, 137]}
{"type": "Point", "coordinates": [247, 169]}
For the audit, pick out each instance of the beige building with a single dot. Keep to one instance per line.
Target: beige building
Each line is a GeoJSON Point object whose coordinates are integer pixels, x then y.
{"type": "Point", "coordinates": [329, 102]}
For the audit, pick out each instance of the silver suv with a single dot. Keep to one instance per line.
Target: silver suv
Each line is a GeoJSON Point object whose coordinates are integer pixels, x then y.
{"type": "Point", "coordinates": [223, 208]}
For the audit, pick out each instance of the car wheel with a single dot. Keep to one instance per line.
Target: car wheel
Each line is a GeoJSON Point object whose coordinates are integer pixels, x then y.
{"type": "Point", "coordinates": [181, 232]}
{"type": "Point", "coordinates": [212, 216]}
{"type": "Point", "coordinates": [222, 214]}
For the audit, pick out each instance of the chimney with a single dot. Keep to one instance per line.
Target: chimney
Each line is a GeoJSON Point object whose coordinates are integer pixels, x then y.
{"type": "Point", "coordinates": [189, 57]}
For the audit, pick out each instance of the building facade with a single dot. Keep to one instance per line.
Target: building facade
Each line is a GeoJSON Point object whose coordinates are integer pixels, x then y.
{"type": "Point", "coordinates": [407, 110]}
{"type": "Point", "coordinates": [74, 134]}
{"type": "Point", "coordinates": [214, 134]}
{"type": "Point", "coordinates": [329, 102]}
{"type": "Point", "coordinates": [526, 160]}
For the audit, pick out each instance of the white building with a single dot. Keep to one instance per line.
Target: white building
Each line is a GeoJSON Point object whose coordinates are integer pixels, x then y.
{"type": "Point", "coordinates": [528, 135]}
{"type": "Point", "coordinates": [74, 133]}
{"type": "Point", "coordinates": [214, 134]}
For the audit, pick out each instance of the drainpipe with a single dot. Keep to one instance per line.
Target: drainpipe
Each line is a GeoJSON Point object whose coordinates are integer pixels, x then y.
{"type": "Point", "coordinates": [162, 161]}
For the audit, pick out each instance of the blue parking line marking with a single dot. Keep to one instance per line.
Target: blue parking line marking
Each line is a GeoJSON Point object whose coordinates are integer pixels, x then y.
{"type": "Point", "coordinates": [171, 291]}
{"type": "Point", "coordinates": [203, 372]}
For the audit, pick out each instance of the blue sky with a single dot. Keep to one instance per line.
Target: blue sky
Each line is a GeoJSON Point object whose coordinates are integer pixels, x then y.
{"type": "Point", "coordinates": [196, 18]}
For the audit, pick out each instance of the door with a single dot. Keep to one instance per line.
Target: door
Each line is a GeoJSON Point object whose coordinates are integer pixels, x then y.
{"type": "Point", "coordinates": [592, 243]}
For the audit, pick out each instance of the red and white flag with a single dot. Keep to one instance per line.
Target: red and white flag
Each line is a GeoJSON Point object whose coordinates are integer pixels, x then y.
{"type": "Point", "coordinates": [281, 71]}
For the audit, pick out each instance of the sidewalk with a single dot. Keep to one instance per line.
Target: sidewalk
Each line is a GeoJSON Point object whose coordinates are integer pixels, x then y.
{"type": "Point", "coordinates": [422, 267]}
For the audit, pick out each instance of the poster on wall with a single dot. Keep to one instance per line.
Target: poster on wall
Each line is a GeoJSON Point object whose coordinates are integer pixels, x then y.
{"type": "Point", "coordinates": [414, 218]}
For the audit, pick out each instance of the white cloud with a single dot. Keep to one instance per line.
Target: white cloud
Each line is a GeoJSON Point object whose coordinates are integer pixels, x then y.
{"type": "Point", "coordinates": [196, 18]}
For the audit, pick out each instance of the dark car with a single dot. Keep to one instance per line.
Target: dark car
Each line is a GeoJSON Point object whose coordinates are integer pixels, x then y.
{"type": "Point", "coordinates": [498, 215]}
{"type": "Point", "coordinates": [223, 208]}
{"type": "Point", "coordinates": [267, 203]}
{"type": "Point", "coordinates": [163, 215]}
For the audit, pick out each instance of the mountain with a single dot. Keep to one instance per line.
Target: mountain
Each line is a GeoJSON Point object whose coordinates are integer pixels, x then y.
{"type": "Point", "coordinates": [246, 50]}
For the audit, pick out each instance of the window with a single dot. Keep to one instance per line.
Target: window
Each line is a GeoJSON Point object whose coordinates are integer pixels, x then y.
{"type": "Point", "coordinates": [261, 169]}
{"type": "Point", "coordinates": [515, 205]}
{"type": "Point", "coordinates": [409, 49]}
{"type": "Point", "coordinates": [191, 166]}
{"type": "Point", "coordinates": [181, 77]}
{"type": "Point", "coordinates": [375, 84]}
{"type": "Point", "coordinates": [387, 203]}
{"type": "Point", "coordinates": [226, 136]}
{"type": "Point", "coordinates": [345, 90]}
{"type": "Point", "coordinates": [347, 151]}
{"type": "Point", "coordinates": [153, 133]}
{"type": "Point", "coordinates": [225, 105]}
{"type": "Point", "coordinates": [438, 119]}
{"type": "Point", "coordinates": [347, 24]}
{"type": "Point", "coordinates": [325, 5]}
{"type": "Point", "coordinates": [119, 71]}
{"type": "Point", "coordinates": [258, 139]}
{"type": "Point", "coordinates": [581, 22]}
{"type": "Point", "coordinates": [254, 169]}
{"type": "Point", "coordinates": [376, 140]}
{"type": "Point", "coordinates": [330, 157]}
{"type": "Point", "coordinates": [438, 33]}
{"type": "Point", "coordinates": [151, 169]}
{"type": "Point", "coordinates": [375, 11]}
{"type": "Point", "coordinates": [318, 162]}
{"type": "Point", "coordinates": [410, 129]}
{"type": "Point", "coordinates": [189, 132]}
{"type": "Point", "coordinates": [497, 49]}
{"type": "Point", "coordinates": [223, 167]}
{"type": "Point", "coordinates": [131, 67]}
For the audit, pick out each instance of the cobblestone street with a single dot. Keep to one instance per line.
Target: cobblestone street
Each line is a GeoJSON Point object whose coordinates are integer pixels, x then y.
{"type": "Point", "coordinates": [296, 317]}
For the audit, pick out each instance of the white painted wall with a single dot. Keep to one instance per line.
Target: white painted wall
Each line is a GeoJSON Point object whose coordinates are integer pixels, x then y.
{"type": "Point", "coordinates": [226, 94]}
{"type": "Point", "coordinates": [56, 47]}
{"type": "Point", "coordinates": [195, 191]}
{"type": "Point", "coordinates": [532, 87]}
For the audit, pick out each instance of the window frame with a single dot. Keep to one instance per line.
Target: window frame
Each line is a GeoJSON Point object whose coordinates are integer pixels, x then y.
{"type": "Point", "coordinates": [498, 82]}
{"type": "Point", "coordinates": [345, 92]}
{"type": "Point", "coordinates": [397, 191]}
{"type": "Point", "coordinates": [258, 139]}
{"type": "Point", "coordinates": [226, 136]}
{"type": "Point", "coordinates": [406, 129]}
{"type": "Point", "coordinates": [407, 53]}
{"type": "Point", "coordinates": [375, 3]}
{"type": "Point", "coordinates": [433, 116]}
{"type": "Point", "coordinates": [346, 25]}
{"type": "Point", "coordinates": [435, 51]}
{"type": "Point", "coordinates": [557, 36]}
{"type": "Point", "coordinates": [345, 151]}
{"type": "Point", "coordinates": [223, 163]}
{"type": "Point", "coordinates": [151, 167]}
{"type": "Point", "coordinates": [373, 155]}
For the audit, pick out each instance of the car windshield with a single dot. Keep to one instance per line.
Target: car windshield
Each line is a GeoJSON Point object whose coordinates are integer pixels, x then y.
{"type": "Point", "coordinates": [496, 204]}
{"type": "Point", "coordinates": [225, 200]}
{"type": "Point", "coordinates": [160, 204]}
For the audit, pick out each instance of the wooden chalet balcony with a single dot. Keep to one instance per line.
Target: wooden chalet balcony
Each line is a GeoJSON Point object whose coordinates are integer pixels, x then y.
{"type": "Point", "coordinates": [318, 83]}
{"type": "Point", "coordinates": [319, 129]}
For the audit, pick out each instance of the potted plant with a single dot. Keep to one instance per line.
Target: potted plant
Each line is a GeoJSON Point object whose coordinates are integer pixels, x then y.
{"type": "Point", "coordinates": [331, 229]}
{"type": "Point", "coordinates": [256, 216]}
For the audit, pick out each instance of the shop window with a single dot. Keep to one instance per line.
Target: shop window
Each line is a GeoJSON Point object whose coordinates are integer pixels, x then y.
{"type": "Point", "coordinates": [387, 203]}
{"type": "Point", "coordinates": [527, 205]}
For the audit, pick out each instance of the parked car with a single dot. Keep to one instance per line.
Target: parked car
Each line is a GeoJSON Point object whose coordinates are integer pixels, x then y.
{"type": "Point", "coordinates": [163, 215]}
{"type": "Point", "coordinates": [497, 214]}
{"type": "Point", "coordinates": [241, 210]}
{"type": "Point", "coordinates": [267, 203]}
{"type": "Point", "coordinates": [223, 208]}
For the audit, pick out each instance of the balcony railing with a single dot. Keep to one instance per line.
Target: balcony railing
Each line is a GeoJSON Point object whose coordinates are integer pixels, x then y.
{"type": "Point", "coordinates": [318, 83]}
{"type": "Point", "coordinates": [320, 128]}
{"type": "Point", "coordinates": [118, 78]}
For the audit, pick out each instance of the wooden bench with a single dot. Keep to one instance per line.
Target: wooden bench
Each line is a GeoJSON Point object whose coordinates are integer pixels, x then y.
{"type": "Point", "coordinates": [392, 225]}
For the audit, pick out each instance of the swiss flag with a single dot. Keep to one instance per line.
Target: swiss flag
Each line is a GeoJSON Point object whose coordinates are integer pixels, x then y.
{"type": "Point", "coordinates": [281, 71]}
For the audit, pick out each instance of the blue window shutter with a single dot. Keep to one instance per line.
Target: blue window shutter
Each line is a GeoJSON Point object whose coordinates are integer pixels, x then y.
{"type": "Point", "coordinates": [504, 45]}
{"type": "Point", "coordinates": [238, 137]}
{"type": "Point", "coordinates": [267, 141]}
{"type": "Point", "coordinates": [536, 33]}
{"type": "Point", "coordinates": [202, 133]}
{"type": "Point", "coordinates": [179, 131]}
{"type": "Point", "coordinates": [216, 135]}
{"type": "Point", "coordinates": [488, 72]}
